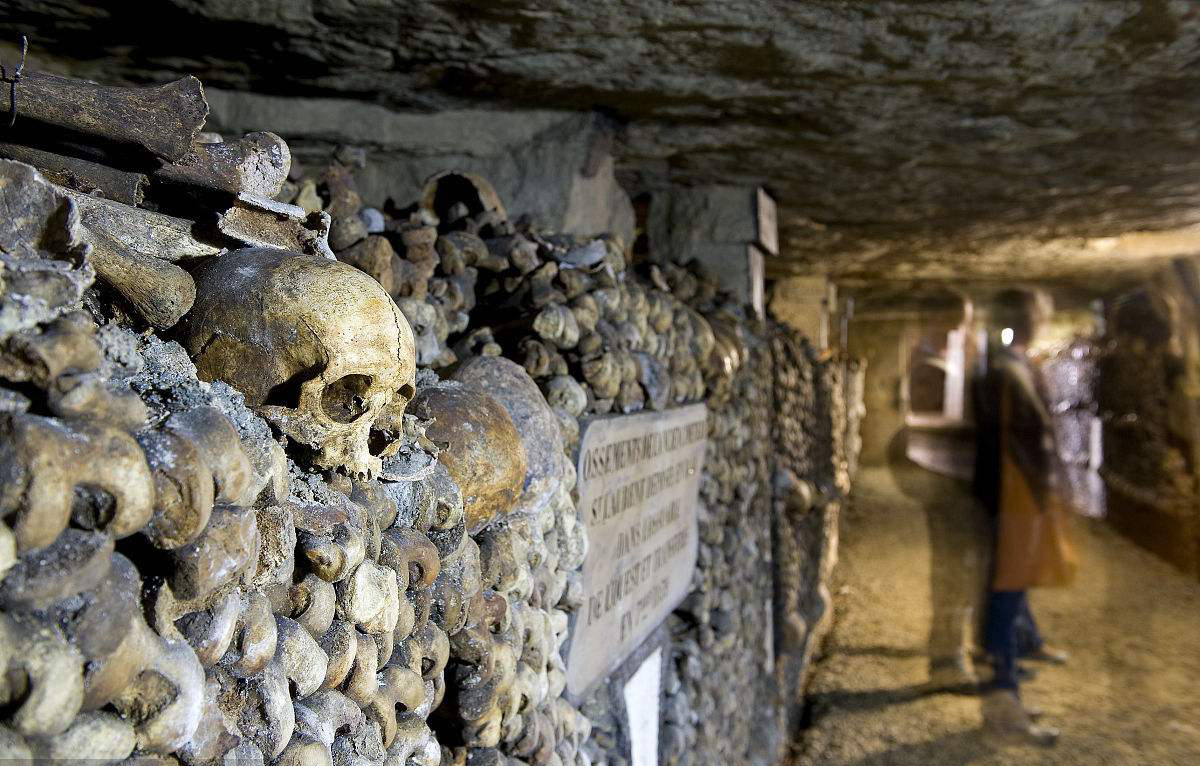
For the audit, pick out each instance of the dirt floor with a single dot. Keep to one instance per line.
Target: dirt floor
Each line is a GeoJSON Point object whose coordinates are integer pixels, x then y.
{"type": "Point", "coordinates": [1129, 696]}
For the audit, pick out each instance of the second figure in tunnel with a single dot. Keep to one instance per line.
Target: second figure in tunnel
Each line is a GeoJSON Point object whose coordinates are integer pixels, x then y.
{"type": "Point", "coordinates": [1017, 476]}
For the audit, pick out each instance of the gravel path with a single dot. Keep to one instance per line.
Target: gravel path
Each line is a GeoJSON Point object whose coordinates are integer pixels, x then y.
{"type": "Point", "coordinates": [1130, 696]}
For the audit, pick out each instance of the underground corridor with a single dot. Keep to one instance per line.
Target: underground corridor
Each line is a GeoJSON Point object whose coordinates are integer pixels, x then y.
{"type": "Point", "coordinates": [656, 383]}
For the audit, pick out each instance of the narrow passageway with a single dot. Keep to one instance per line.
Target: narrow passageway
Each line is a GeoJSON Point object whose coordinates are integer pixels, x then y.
{"type": "Point", "coordinates": [1129, 696]}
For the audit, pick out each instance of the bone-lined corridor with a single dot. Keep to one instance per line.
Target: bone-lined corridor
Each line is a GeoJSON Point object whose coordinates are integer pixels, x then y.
{"type": "Point", "coordinates": [633, 383]}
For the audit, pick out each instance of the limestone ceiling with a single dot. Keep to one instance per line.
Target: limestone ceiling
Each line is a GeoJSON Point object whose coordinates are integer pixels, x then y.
{"type": "Point", "coordinates": [903, 139]}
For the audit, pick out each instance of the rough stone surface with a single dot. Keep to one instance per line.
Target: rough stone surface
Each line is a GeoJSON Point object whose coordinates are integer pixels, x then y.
{"type": "Point", "coordinates": [554, 166]}
{"type": "Point", "coordinates": [895, 135]}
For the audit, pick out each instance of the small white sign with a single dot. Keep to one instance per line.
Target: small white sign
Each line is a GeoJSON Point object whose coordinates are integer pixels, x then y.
{"type": "Point", "coordinates": [641, 707]}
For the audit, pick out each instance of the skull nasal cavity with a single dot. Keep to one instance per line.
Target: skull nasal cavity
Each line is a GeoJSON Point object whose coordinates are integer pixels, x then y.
{"type": "Point", "coordinates": [343, 399]}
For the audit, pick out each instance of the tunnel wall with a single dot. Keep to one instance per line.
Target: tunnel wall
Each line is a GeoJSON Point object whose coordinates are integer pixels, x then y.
{"type": "Point", "coordinates": [209, 578]}
{"type": "Point", "coordinates": [1148, 373]}
{"type": "Point", "coordinates": [880, 343]}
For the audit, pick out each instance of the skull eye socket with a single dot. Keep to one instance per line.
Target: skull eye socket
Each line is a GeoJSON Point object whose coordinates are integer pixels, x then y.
{"type": "Point", "coordinates": [344, 399]}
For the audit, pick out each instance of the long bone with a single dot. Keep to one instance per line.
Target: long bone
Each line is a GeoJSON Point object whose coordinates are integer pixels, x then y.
{"type": "Point", "coordinates": [163, 119]}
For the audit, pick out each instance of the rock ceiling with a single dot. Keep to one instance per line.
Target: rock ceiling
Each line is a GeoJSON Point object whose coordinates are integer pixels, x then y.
{"type": "Point", "coordinates": [903, 139]}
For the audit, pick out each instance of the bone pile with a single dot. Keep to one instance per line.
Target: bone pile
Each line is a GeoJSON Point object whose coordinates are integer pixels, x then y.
{"type": "Point", "coordinates": [811, 406]}
{"type": "Point", "coordinates": [225, 536]}
{"type": "Point", "coordinates": [517, 478]}
{"type": "Point", "coordinates": [287, 478]}
{"type": "Point", "coordinates": [725, 622]}
{"type": "Point", "coordinates": [1069, 377]}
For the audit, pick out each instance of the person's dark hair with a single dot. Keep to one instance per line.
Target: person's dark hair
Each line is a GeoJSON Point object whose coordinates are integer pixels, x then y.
{"type": "Point", "coordinates": [1018, 310]}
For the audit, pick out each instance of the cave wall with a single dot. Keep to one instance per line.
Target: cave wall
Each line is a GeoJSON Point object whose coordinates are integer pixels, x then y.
{"type": "Point", "coordinates": [555, 166]}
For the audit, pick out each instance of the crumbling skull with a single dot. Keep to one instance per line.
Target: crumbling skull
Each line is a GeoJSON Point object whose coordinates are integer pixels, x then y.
{"type": "Point", "coordinates": [317, 347]}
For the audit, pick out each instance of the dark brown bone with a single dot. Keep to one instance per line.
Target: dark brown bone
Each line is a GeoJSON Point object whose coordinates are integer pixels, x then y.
{"type": "Point", "coordinates": [164, 119]}
{"type": "Point", "coordinates": [81, 175]}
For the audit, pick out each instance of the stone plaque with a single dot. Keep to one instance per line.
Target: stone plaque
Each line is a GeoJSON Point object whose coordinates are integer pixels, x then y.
{"type": "Point", "coordinates": [638, 484]}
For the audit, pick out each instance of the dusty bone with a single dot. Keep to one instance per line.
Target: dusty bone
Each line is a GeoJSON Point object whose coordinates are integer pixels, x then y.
{"type": "Point", "coordinates": [39, 290]}
{"type": "Point", "coordinates": [341, 647]}
{"type": "Point", "coordinates": [237, 629]}
{"type": "Point", "coordinates": [266, 713]}
{"type": "Point", "coordinates": [98, 737]}
{"type": "Point", "coordinates": [40, 355]}
{"type": "Point", "coordinates": [397, 686]}
{"type": "Point", "coordinates": [156, 684]}
{"type": "Point", "coordinates": [346, 230]}
{"type": "Point", "coordinates": [218, 443]}
{"type": "Point", "coordinates": [362, 684]}
{"type": "Point", "coordinates": [255, 227]}
{"type": "Point", "coordinates": [184, 490]}
{"type": "Point", "coordinates": [276, 547]}
{"type": "Point", "coordinates": [150, 234]}
{"type": "Point", "coordinates": [227, 547]}
{"type": "Point", "coordinates": [516, 391]}
{"type": "Point", "coordinates": [159, 290]}
{"type": "Point", "coordinates": [318, 719]}
{"type": "Point", "coordinates": [412, 556]}
{"type": "Point", "coordinates": [270, 205]}
{"type": "Point", "coordinates": [414, 743]}
{"type": "Point", "coordinates": [209, 631]}
{"type": "Point", "coordinates": [257, 163]}
{"type": "Point", "coordinates": [301, 657]}
{"type": "Point", "coordinates": [557, 324]}
{"type": "Point", "coordinates": [313, 605]}
{"type": "Point", "coordinates": [52, 670]}
{"type": "Point", "coordinates": [458, 583]}
{"type": "Point", "coordinates": [164, 119]}
{"type": "Point", "coordinates": [471, 250]}
{"type": "Point", "coordinates": [217, 735]}
{"type": "Point", "coordinates": [330, 541]}
{"type": "Point", "coordinates": [422, 319]}
{"type": "Point", "coordinates": [370, 599]}
{"type": "Point", "coordinates": [42, 461]}
{"type": "Point", "coordinates": [374, 256]}
{"type": "Point", "coordinates": [74, 562]}
{"type": "Point", "coordinates": [426, 651]}
{"type": "Point", "coordinates": [81, 175]}
{"type": "Point", "coordinates": [103, 399]}
{"type": "Point", "coordinates": [38, 215]}
{"type": "Point", "coordinates": [324, 386]}
{"type": "Point", "coordinates": [484, 453]}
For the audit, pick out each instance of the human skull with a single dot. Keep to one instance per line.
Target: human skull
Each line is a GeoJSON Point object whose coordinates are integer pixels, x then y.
{"type": "Point", "coordinates": [316, 346]}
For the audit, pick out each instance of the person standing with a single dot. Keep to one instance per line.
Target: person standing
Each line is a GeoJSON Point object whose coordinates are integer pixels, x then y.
{"type": "Point", "coordinates": [1015, 478]}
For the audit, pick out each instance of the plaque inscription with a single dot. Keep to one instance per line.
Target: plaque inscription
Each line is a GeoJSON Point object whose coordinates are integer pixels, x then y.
{"type": "Point", "coordinates": [639, 485]}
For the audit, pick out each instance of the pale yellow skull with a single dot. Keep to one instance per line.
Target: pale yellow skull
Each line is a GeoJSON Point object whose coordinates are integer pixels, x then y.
{"type": "Point", "coordinates": [317, 347]}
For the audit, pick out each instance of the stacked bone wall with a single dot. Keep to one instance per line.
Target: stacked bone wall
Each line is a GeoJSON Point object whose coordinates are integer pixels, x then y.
{"type": "Point", "coordinates": [726, 621]}
{"type": "Point", "coordinates": [817, 400]}
{"type": "Point", "coordinates": [299, 559]}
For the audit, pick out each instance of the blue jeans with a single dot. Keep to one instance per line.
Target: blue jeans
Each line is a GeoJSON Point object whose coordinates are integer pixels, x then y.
{"type": "Point", "coordinates": [1010, 632]}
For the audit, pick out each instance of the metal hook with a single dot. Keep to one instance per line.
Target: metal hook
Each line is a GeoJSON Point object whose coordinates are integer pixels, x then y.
{"type": "Point", "coordinates": [12, 81]}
